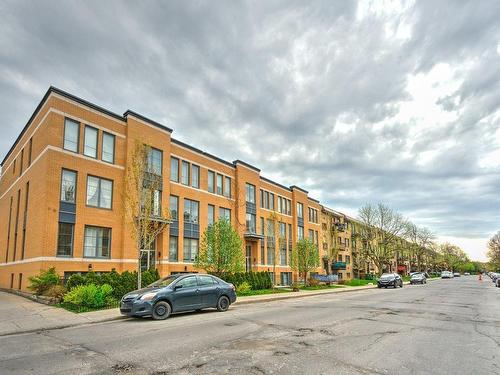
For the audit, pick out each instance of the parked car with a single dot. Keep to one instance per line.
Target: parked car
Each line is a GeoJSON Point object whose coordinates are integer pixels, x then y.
{"type": "Point", "coordinates": [390, 279]}
{"type": "Point", "coordinates": [178, 293]}
{"type": "Point", "coordinates": [446, 275]}
{"type": "Point", "coordinates": [497, 282]}
{"type": "Point", "coordinates": [456, 274]}
{"type": "Point", "coordinates": [494, 276]}
{"type": "Point", "coordinates": [466, 274]}
{"type": "Point", "coordinates": [418, 278]}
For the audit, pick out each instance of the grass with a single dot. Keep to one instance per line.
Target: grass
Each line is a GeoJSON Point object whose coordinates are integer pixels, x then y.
{"type": "Point", "coordinates": [320, 287]}
{"type": "Point", "coordinates": [83, 309]}
{"type": "Point", "coordinates": [359, 282]}
{"type": "Point", "coordinates": [263, 291]}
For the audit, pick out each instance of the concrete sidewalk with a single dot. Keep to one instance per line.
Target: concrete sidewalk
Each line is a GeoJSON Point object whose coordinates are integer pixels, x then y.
{"type": "Point", "coordinates": [21, 315]}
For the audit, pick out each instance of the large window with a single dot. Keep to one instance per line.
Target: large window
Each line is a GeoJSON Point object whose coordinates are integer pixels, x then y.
{"type": "Point", "coordinates": [71, 135]}
{"type": "Point", "coordinates": [99, 192]}
{"type": "Point", "coordinates": [250, 223]}
{"type": "Point", "coordinates": [174, 207]}
{"type": "Point", "coordinates": [65, 240]}
{"type": "Point", "coordinates": [173, 249]}
{"type": "Point", "coordinates": [108, 148]}
{"type": "Point", "coordinates": [227, 187]}
{"type": "Point", "coordinates": [90, 142]}
{"type": "Point", "coordinates": [191, 211]}
{"type": "Point", "coordinates": [313, 215]}
{"type": "Point", "coordinates": [190, 249]}
{"type": "Point", "coordinates": [211, 214]}
{"type": "Point", "coordinates": [211, 182]}
{"type": "Point", "coordinates": [300, 210]}
{"type": "Point", "coordinates": [300, 232]}
{"type": "Point", "coordinates": [68, 186]}
{"type": "Point", "coordinates": [155, 157]}
{"type": "Point", "coordinates": [185, 173]}
{"type": "Point", "coordinates": [97, 242]}
{"type": "Point", "coordinates": [250, 193]}
{"type": "Point", "coordinates": [174, 169]}
{"type": "Point", "coordinates": [266, 200]}
{"type": "Point", "coordinates": [225, 213]}
{"type": "Point", "coordinates": [195, 176]}
{"type": "Point", "coordinates": [219, 184]}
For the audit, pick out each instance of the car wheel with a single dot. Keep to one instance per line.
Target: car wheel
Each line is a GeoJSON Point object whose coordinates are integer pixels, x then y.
{"type": "Point", "coordinates": [223, 303]}
{"type": "Point", "coordinates": [401, 285]}
{"type": "Point", "coordinates": [378, 286]}
{"type": "Point", "coordinates": [161, 310]}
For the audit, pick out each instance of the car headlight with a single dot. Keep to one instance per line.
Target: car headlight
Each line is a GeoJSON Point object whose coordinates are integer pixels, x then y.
{"type": "Point", "coordinates": [148, 296]}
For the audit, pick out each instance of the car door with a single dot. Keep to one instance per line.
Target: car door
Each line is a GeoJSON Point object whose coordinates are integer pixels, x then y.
{"type": "Point", "coordinates": [186, 295]}
{"type": "Point", "coordinates": [209, 290]}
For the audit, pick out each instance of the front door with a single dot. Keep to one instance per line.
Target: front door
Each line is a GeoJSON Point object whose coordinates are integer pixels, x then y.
{"type": "Point", "coordinates": [187, 297]}
{"type": "Point", "coordinates": [248, 258]}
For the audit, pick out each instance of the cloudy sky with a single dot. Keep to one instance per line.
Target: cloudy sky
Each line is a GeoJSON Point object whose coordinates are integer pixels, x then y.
{"type": "Point", "coordinates": [355, 102]}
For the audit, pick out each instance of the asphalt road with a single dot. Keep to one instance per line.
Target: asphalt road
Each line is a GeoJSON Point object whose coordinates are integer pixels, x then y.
{"type": "Point", "coordinates": [444, 327]}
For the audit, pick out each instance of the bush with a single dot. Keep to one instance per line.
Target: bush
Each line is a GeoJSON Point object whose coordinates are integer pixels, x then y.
{"type": "Point", "coordinates": [256, 280]}
{"type": "Point", "coordinates": [243, 288]}
{"type": "Point", "coordinates": [312, 281]}
{"type": "Point", "coordinates": [91, 296]}
{"type": "Point", "coordinates": [44, 281]}
{"type": "Point", "coordinates": [56, 291]}
{"type": "Point", "coordinates": [149, 277]}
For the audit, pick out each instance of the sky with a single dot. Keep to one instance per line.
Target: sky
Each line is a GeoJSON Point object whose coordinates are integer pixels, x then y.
{"type": "Point", "coordinates": [356, 102]}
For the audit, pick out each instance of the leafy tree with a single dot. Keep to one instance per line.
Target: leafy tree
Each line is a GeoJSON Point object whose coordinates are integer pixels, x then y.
{"type": "Point", "coordinates": [494, 251]}
{"type": "Point", "coordinates": [220, 249]}
{"type": "Point", "coordinates": [305, 257]}
{"type": "Point", "coordinates": [41, 283]}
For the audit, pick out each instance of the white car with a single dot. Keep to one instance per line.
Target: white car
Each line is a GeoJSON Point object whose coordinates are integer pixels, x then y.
{"type": "Point", "coordinates": [446, 275]}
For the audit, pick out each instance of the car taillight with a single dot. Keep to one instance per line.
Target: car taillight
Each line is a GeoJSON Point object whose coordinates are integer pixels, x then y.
{"type": "Point", "coordinates": [232, 287]}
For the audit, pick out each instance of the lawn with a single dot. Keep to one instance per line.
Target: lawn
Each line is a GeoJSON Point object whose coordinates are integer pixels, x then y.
{"type": "Point", "coordinates": [320, 287]}
{"type": "Point", "coordinates": [263, 291]}
{"type": "Point", "coordinates": [359, 282]}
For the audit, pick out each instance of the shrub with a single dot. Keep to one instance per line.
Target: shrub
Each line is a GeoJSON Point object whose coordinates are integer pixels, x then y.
{"type": "Point", "coordinates": [243, 288]}
{"type": "Point", "coordinates": [149, 277]}
{"type": "Point", "coordinates": [256, 280]}
{"type": "Point", "coordinates": [75, 280]}
{"type": "Point", "coordinates": [56, 291]}
{"type": "Point", "coordinates": [91, 295]}
{"type": "Point", "coordinates": [312, 281]}
{"type": "Point", "coordinates": [46, 279]}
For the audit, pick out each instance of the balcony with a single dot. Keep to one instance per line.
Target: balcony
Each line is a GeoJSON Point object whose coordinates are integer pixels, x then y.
{"type": "Point", "coordinates": [253, 236]}
{"type": "Point", "coordinates": [339, 266]}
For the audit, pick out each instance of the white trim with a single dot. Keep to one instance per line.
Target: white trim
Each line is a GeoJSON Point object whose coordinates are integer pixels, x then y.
{"type": "Point", "coordinates": [201, 191]}
{"type": "Point", "coordinates": [148, 124]}
{"type": "Point", "coordinates": [87, 108]}
{"type": "Point", "coordinates": [201, 154]}
{"type": "Point", "coordinates": [68, 259]}
{"type": "Point", "coordinates": [57, 149]}
{"type": "Point", "coordinates": [85, 122]}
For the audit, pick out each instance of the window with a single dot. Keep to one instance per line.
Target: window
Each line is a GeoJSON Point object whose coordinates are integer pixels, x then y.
{"type": "Point", "coordinates": [225, 213]}
{"type": "Point", "coordinates": [99, 192]}
{"type": "Point", "coordinates": [185, 173]}
{"type": "Point", "coordinates": [311, 235]}
{"type": "Point", "coordinates": [156, 206]}
{"type": "Point", "coordinates": [188, 282]}
{"type": "Point", "coordinates": [282, 230]}
{"type": "Point", "coordinates": [313, 215]}
{"type": "Point", "coordinates": [219, 184]}
{"type": "Point", "coordinates": [300, 210]}
{"type": "Point", "coordinates": [250, 223]}
{"type": "Point", "coordinates": [227, 187]}
{"type": "Point", "coordinates": [191, 211]}
{"type": "Point", "coordinates": [288, 207]}
{"type": "Point", "coordinates": [271, 201]}
{"type": "Point", "coordinates": [174, 207]}
{"type": "Point", "coordinates": [300, 232]}
{"type": "Point", "coordinates": [71, 135]}
{"type": "Point", "coordinates": [340, 258]}
{"type": "Point", "coordinates": [30, 151]}
{"type": "Point", "coordinates": [174, 169]}
{"type": "Point", "coordinates": [195, 176]}
{"type": "Point", "coordinates": [90, 142]}
{"type": "Point", "coordinates": [68, 186]}
{"type": "Point", "coordinates": [316, 238]}
{"type": "Point", "coordinates": [21, 163]}
{"type": "Point", "coordinates": [262, 227]}
{"type": "Point", "coordinates": [97, 242]}
{"type": "Point", "coordinates": [211, 214]}
{"type": "Point", "coordinates": [108, 148]}
{"type": "Point", "coordinates": [155, 163]}
{"type": "Point", "coordinates": [190, 249]}
{"type": "Point", "coordinates": [211, 182]}
{"type": "Point", "coordinates": [65, 240]}
{"type": "Point", "coordinates": [204, 280]}
{"type": "Point", "coordinates": [14, 167]}
{"type": "Point", "coordinates": [250, 193]}
{"type": "Point", "coordinates": [173, 249]}
{"type": "Point", "coordinates": [348, 259]}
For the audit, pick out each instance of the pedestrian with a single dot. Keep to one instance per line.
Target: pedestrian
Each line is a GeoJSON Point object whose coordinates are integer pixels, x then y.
{"type": "Point", "coordinates": [480, 276]}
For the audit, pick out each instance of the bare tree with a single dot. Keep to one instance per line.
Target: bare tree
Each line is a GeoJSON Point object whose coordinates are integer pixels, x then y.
{"type": "Point", "coordinates": [142, 200]}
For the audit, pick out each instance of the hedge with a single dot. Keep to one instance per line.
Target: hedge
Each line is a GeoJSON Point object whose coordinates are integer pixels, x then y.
{"type": "Point", "coordinates": [256, 280]}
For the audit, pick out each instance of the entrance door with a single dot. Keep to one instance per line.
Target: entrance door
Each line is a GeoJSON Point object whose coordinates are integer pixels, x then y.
{"type": "Point", "coordinates": [248, 258]}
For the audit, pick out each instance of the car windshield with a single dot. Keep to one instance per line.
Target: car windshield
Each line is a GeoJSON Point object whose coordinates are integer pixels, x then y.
{"type": "Point", "coordinates": [387, 276]}
{"type": "Point", "coordinates": [163, 282]}
{"type": "Point", "coordinates": [417, 275]}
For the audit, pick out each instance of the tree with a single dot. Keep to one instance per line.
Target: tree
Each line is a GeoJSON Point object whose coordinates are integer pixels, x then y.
{"type": "Point", "coordinates": [452, 257]}
{"type": "Point", "coordinates": [220, 249]}
{"type": "Point", "coordinates": [380, 233]}
{"type": "Point", "coordinates": [305, 257]}
{"type": "Point", "coordinates": [494, 251]}
{"type": "Point", "coordinates": [142, 200]}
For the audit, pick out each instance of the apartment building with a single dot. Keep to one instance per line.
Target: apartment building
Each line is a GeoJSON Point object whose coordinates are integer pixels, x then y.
{"type": "Point", "coordinates": [62, 187]}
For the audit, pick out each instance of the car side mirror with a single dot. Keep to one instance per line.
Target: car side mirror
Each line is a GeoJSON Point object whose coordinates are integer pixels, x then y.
{"type": "Point", "coordinates": [178, 287]}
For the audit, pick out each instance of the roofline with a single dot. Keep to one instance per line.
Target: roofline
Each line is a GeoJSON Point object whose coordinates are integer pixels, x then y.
{"type": "Point", "coordinates": [176, 141]}
{"type": "Point", "coordinates": [314, 200]}
{"type": "Point", "coordinates": [145, 119]}
{"type": "Point", "coordinates": [67, 95]}
{"type": "Point", "coordinates": [298, 188]}
{"type": "Point", "coordinates": [238, 161]}
{"type": "Point", "coordinates": [275, 183]}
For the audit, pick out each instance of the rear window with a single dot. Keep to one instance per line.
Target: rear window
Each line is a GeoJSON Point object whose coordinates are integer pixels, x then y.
{"type": "Point", "coordinates": [205, 280]}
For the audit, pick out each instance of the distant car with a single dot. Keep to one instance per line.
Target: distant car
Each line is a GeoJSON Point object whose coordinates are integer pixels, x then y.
{"type": "Point", "coordinates": [178, 293]}
{"type": "Point", "coordinates": [456, 274]}
{"type": "Point", "coordinates": [390, 279]}
{"type": "Point", "coordinates": [466, 274]}
{"type": "Point", "coordinates": [418, 278]}
{"type": "Point", "coordinates": [494, 276]}
{"type": "Point", "coordinates": [446, 275]}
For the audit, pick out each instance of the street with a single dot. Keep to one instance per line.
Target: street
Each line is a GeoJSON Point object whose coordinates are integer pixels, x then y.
{"type": "Point", "coordinates": [444, 327]}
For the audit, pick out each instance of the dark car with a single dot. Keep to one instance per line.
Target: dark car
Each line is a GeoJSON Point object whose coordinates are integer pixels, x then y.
{"type": "Point", "coordinates": [177, 293]}
{"type": "Point", "coordinates": [418, 278]}
{"type": "Point", "coordinates": [390, 279]}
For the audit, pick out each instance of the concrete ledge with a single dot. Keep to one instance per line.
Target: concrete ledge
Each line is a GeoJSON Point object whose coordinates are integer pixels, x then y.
{"type": "Point", "coordinates": [40, 299]}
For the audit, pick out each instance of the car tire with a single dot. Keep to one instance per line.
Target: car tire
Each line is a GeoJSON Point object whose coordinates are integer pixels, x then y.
{"type": "Point", "coordinates": [401, 285]}
{"type": "Point", "coordinates": [161, 310]}
{"type": "Point", "coordinates": [378, 286]}
{"type": "Point", "coordinates": [223, 304]}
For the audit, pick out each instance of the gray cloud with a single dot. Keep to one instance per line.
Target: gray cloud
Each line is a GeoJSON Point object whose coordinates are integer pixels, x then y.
{"type": "Point", "coordinates": [312, 93]}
